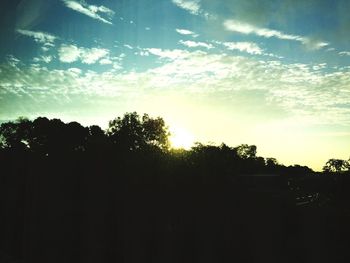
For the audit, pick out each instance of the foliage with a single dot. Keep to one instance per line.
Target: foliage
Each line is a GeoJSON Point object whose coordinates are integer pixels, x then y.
{"type": "Point", "coordinates": [15, 134]}
{"type": "Point", "coordinates": [134, 132]}
{"type": "Point", "coordinates": [246, 151]}
{"type": "Point", "coordinates": [336, 166]}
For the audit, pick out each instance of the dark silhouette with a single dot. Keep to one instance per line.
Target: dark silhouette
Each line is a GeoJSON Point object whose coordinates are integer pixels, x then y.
{"type": "Point", "coordinates": [336, 166]}
{"type": "Point", "coordinates": [70, 193]}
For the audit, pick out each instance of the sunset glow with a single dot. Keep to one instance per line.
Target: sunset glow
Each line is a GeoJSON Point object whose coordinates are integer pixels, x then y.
{"type": "Point", "coordinates": [230, 71]}
{"type": "Point", "coordinates": [181, 139]}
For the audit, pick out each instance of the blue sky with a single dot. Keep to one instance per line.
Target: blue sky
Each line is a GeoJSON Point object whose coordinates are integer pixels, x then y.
{"type": "Point", "coordinates": [271, 73]}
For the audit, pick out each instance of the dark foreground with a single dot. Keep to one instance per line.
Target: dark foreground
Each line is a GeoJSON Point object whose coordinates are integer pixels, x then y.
{"type": "Point", "coordinates": [128, 209]}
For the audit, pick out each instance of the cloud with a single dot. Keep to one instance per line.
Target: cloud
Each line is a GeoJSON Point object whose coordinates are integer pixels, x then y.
{"type": "Point", "coordinates": [128, 46]}
{"type": "Point", "coordinates": [106, 61]}
{"type": "Point", "coordinates": [12, 60]}
{"type": "Point", "coordinates": [168, 54]}
{"type": "Point", "coordinates": [91, 10]}
{"type": "Point", "coordinates": [288, 13]}
{"type": "Point", "coordinates": [300, 89]}
{"type": "Point", "coordinates": [249, 47]}
{"type": "Point", "coordinates": [191, 6]}
{"type": "Point", "coordinates": [245, 28]}
{"type": "Point", "coordinates": [248, 29]}
{"type": "Point", "coordinates": [39, 37]}
{"type": "Point", "coordinates": [72, 53]}
{"type": "Point", "coordinates": [45, 59]}
{"type": "Point", "coordinates": [316, 92]}
{"type": "Point", "coordinates": [344, 53]}
{"type": "Point", "coordinates": [193, 44]}
{"type": "Point", "coordinates": [314, 44]}
{"type": "Point", "coordinates": [69, 53]}
{"type": "Point", "coordinates": [186, 32]}
{"type": "Point", "coordinates": [91, 56]}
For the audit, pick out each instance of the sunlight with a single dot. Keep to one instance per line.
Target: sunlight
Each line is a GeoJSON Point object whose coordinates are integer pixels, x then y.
{"type": "Point", "coordinates": [180, 138]}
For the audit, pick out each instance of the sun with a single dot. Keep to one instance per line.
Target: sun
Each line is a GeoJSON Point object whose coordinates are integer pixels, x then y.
{"type": "Point", "coordinates": [180, 138]}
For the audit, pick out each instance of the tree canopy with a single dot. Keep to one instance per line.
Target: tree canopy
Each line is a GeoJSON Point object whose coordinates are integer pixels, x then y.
{"type": "Point", "coordinates": [135, 132]}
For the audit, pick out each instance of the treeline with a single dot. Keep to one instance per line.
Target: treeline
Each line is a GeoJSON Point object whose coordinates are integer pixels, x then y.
{"type": "Point", "coordinates": [81, 194]}
{"type": "Point", "coordinates": [131, 134]}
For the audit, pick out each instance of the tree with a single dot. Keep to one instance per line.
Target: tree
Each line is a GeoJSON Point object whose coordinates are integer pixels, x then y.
{"type": "Point", "coordinates": [54, 136]}
{"type": "Point", "coordinates": [77, 135]}
{"type": "Point", "coordinates": [271, 162]}
{"type": "Point", "coordinates": [15, 135]}
{"type": "Point", "coordinates": [155, 132]}
{"type": "Point", "coordinates": [133, 132]}
{"type": "Point", "coordinates": [96, 138]}
{"type": "Point", "coordinates": [336, 165]}
{"type": "Point", "coordinates": [246, 151]}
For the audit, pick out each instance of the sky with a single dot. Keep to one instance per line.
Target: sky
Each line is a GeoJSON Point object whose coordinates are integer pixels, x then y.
{"type": "Point", "coordinates": [266, 72]}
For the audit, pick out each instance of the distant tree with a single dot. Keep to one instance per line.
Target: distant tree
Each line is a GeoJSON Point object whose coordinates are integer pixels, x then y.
{"type": "Point", "coordinates": [40, 135]}
{"type": "Point", "coordinates": [97, 139]}
{"type": "Point", "coordinates": [50, 136]}
{"type": "Point", "coordinates": [96, 131]}
{"type": "Point", "coordinates": [246, 151]}
{"type": "Point", "coordinates": [15, 134]}
{"type": "Point", "coordinates": [298, 170]}
{"type": "Point", "coordinates": [134, 132]}
{"type": "Point", "coordinates": [336, 165]}
{"type": "Point", "coordinates": [155, 131]}
{"type": "Point", "coordinates": [271, 162]}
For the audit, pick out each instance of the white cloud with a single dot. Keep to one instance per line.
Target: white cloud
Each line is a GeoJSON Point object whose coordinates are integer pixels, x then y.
{"type": "Point", "coordinates": [12, 60]}
{"type": "Point", "coordinates": [314, 44]}
{"type": "Point", "coordinates": [190, 5]}
{"type": "Point", "coordinates": [142, 53]}
{"type": "Point", "coordinates": [319, 45]}
{"type": "Point", "coordinates": [72, 53]}
{"type": "Point", "coordinates": [106, 61]}
{"type": "Point", "coordinates": [186, 32]}
{"type": "Point", "coordinates": [101, 9]}
{"type": "Point", "coordinates": [249, 47]}
{"type": "Point", "coordinates": [91, 56]}
{"type": "Point", "coordinates": [69, 53]}
{"type": "Point", "coordinates": [192, 44]}
{"type": "Point", "coordinates": [76, 71]}
{"type": "Point", "coordinates": [90, 10]}
{"type": "Point", "coordinates": [193, 7]}
{"type": "Point", "coordinates": [168, 54]}
{"type": "Point", "coordinates": [128, 46]}
{"type": "Point", "coordinates": [245, 28]}
{"type": "Point", "coordinates": [45, 59]}
{"type": "Point", "coordinates": [344, 53]}
{"type": "Point", "coordinates": [39, 37]}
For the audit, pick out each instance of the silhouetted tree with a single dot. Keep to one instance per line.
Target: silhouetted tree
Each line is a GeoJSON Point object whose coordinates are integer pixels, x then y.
{"type": "Point", "coordinates": [76, 136]}
{"type": "Point", "coordinates": [54, 136]}
{"type": "Point", "coordinates": [97, 139]}
{"type": "Point", "coordinates": [336, 165]}
{"type": "Point", "coordinates": [133, 132]}
{"type": "Point", "coordinates": [39, 140]}
{"type": "Point", "coordinates": [271, 162]}
{"type": "Point", "coordinates": [246, 151]}
{"type": "Point", "coordinates": [15, 134]}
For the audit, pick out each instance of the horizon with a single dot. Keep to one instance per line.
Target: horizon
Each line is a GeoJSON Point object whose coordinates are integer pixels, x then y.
{"type": "Point", "coordinates": [275, 75]}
